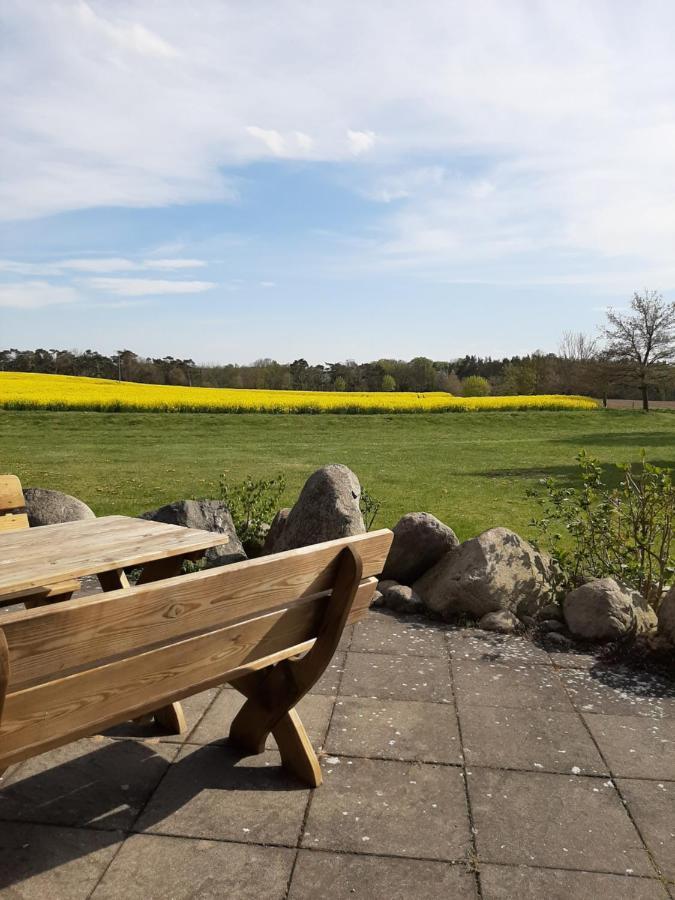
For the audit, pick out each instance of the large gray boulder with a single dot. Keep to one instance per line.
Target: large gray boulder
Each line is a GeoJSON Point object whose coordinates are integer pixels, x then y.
{"type": "Point", "coordinates": [45, 507]}
{"type": "Point", "coordinates": [276, 530]}
{"type": "Point", "coordinates": [420, 540]}
{"type": "Point", "coordinates": [327, 509]}
{"type": "Point", "coordinates": [667, 616]}
{"type": "Point", "coordinates": [496, 570]}
{"type": "Point", "coordinates": [208, 515]}
{"type": "Point", "coordinates": [604, 610]}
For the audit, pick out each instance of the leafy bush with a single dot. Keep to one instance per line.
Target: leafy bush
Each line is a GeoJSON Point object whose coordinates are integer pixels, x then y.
{"type": "Point", "coordinates": [596, 531]}
{"type": "Point", "coordinates": [370, 507]}
{"type": "Point", "coordinates": [253, 504]}
{"type": "Point", "coordinates": [475, 386]}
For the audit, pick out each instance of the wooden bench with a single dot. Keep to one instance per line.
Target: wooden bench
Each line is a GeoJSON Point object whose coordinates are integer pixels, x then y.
{"type": "Point", "coordinates": [13, 517]}
{"type": "Point", "coordinates": [75, 668]}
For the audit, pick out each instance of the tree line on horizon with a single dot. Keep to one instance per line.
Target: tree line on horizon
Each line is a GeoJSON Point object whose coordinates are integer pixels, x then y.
{"type": "Point", "coordinates": [635, 362]}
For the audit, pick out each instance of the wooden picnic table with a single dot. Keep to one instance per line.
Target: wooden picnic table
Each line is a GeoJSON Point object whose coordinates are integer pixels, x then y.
{"type": "Point", "coordinates": [34, 558]}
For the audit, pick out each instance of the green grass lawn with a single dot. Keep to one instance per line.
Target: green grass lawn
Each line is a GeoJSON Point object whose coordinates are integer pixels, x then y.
{"type": "Point", "coordinates": [470, 470]}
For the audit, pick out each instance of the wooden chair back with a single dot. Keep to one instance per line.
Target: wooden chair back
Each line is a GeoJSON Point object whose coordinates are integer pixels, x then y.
{"type": "Point", "coordinates": [80, 666]}
{"type": "Point", "coordinates": [13, 516]}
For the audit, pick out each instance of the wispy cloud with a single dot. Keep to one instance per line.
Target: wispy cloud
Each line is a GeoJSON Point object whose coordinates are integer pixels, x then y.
{"type": "Point", "coordinates": [360, 141]}
{"type": "Point", "coordinates": [491, 132]}
{"type": "Point", "coordinates": [35, 295]}
{"type": "Point", "coordinates": [142, 287]}
{"type": "Point", "coordinates": [97, 264]}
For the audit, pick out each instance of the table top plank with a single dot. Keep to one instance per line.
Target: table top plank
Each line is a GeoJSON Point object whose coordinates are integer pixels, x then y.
{"type": "Point", "coordinates": [36, 557]}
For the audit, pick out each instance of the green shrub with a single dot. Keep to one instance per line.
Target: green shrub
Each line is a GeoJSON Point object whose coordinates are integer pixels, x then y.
{"type": "Point", "coordinates": [370, 507]}
{"type": "Point", "coordinates": [595, 531]}
{"type": "Point", "coordinates": [475, 386]}
{"type": "Point", "coordinates": [253, 504]}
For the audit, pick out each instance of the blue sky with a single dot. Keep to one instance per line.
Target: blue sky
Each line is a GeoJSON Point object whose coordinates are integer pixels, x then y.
{"type": "Point", "coordinates": [228, 181]}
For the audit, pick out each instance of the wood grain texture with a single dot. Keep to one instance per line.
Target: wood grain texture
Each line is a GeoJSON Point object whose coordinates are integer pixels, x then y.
{"type": "Point", "coordinates": [45, 643]}
{"type": "Point", "coordinates": [272, 693]}
{"type": "Point", "coordinates": [47, 715]}
{"type": "Point", "coordinates": [36, 557]}
{"type": "Point", "coordinates": [4, 672]}
{"type": "Point", "coordinates": [13, 522]}
{"type": "Point", "coordinates": [11, 494]}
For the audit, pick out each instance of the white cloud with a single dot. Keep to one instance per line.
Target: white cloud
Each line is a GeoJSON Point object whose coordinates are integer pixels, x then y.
{"type": "Point", "coordinates": [304, 142]}
{"type": "Point", "coordinates": [553, 124]}
{"type": "Point", "coordinates": [127, 36]}
{"type": "Point", "coordinates": [274, 142]}
{"type": "Point", "coordinates": [141, 287]}
{"type": "Point", "coordinates": [173, 263]}
{"type": "Point", "coordinates": [104, 264]}
{"type": "Point", "coordinates": [268, 284]}
{"type": "Point", "coordinates": [360, 141]}
{"type": "Point", "coordinates": [35, 295]}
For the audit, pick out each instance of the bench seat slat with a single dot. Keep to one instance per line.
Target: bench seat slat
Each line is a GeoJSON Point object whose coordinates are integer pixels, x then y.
{"type": "Point", "coordinates": [45, 642]}
{"type": "Point", "coordinates": [49, 714]}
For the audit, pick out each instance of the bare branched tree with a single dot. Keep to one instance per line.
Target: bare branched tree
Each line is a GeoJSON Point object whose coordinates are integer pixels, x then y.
{"type": "Point", "coordinates": [578, 347]}
{"type": "Point", "coordinates": [642, 341]}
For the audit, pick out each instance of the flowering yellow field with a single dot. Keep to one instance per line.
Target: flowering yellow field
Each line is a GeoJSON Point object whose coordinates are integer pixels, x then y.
{"type": "Point", "coordinates": [20, 390]}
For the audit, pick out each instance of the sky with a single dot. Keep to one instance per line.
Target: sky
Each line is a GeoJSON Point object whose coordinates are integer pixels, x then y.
{"type": "Point", "coordinates": [227, 180]}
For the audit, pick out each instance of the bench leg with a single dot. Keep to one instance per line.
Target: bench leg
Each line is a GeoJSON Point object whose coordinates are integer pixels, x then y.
{"type": "Point", "coordinates": [172, 718]}
{"type": "Point", "coordinates": [273, 693]}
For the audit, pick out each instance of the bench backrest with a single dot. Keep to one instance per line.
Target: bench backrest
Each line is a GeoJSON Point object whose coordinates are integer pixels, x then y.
{"type": "Point", "coordinates": [86, 664]}
{"type": "Point", "coordinates": [13, 514]}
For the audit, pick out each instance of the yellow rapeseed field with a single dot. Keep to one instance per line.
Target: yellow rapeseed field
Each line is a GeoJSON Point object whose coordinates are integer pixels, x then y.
{"type": "Point", "coordinates": [20, 390]}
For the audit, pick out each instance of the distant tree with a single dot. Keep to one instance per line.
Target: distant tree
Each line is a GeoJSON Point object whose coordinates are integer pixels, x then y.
{"type": "Point", "coordinates": [339, 384]}
{"type": "Point", "coordinates": [298, 369]}
{"type": "Point", "coordinates": [421, 374]}
{"type": "Point", "coordinates": [388, 383]}
{"type": "Point", "coordinates": [642, 341]}
{"type": "Point", "coordinates": [475, 386]}
{"type": "Point", "coordinates": [579, 361]}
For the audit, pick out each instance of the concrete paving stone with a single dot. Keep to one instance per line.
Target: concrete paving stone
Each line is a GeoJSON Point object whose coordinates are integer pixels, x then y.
{"type": "Point", "coordinates": [399, 636]}
{"type": "Point", "coordinates": [384, 677]}
{"type": "Point", "coordinates": [214, 792]}
{"type": "Point", "coordinates": [474, 643]}
{"type": "Point", "coordinates": [636, 746]}
{"type": "Point", "coordinates": [533, 739]}
{"type": "Point", "coordinates": [332, 876]}
{"type": "Point", "coordinates": [149, 867]}
{"type": "Point", "coordinates": [393, 808]}
{"type": "Point", "coordinates": [194, 708]}
{"type": "Point", "coordinates": [507, 882]}
{"type": "Point", "coordinates": [620, 691]}
{"type": "Point", "coordinates": [558, 821]}
{"type": "Point", "coordinates": [652, 805]}
{"type": "Point", "coordinates": [573, 659]}
{"type": "Point", "coordinates": [394, 729]}
{"type": "Point", "coordinates": [314, 709]}
{"type": "Point", "coordinates": [40, 861]}
{"type": "Point", "coordinates": [515, 686]}
{"type": "Point", "coordinates": [346, 638]}
{"type": "Point", "coordinates": [330, 680]}
{"type": "Point", "coordinates": [99, 782]}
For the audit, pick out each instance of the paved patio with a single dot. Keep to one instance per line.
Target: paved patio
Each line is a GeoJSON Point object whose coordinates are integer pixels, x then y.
{"type": "Point", "coordinates": [457, 765]}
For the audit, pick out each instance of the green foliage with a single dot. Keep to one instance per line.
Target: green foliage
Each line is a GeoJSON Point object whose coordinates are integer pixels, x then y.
{"type": "Point", "coordinates": [475, 386]}
{"type": "Point", "coordinates": [253, 504]}
{"type": "Point", "coordinates": [388, 383]}
{"type": "Point", "coordinates": [624, 532]}
{"type": "Point", "coordinates": [339, 384]}
{"type": "Point", "coordinates": [370, 506]}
